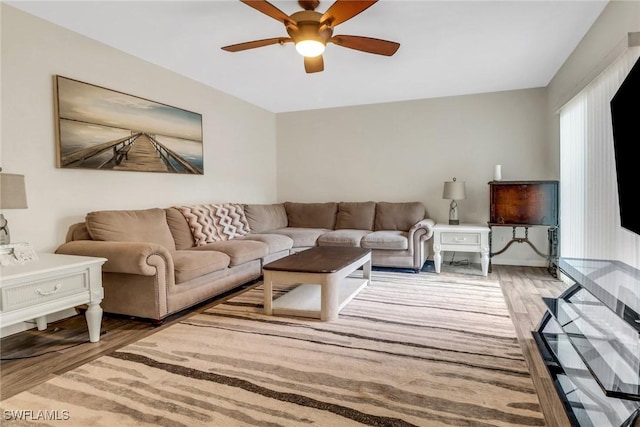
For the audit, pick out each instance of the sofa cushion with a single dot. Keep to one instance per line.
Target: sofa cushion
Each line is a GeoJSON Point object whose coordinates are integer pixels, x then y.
{"type": "Point", "coordinates": [398, 216]}
{"type": "Point", "coordinates": [302, 237]}
{"type": "Point", "coordinates": [179, 229]}
{"type": "Point", "coordinates": [311, 215]}
{"type": "Point", "coordinates": [149, 225]}
{"type": "Point", "coordinates": [215, 222]}
{"type": "Point", "coordinates": [239, 250]}
{"type": "Point", "coordinates": [275, 242]}
{"type": "Point", "coordinates": [263, 218]}
{"type": "Point", "coordinates": [342, 238]}
{"type": "Point", "coordinates": [356, 215]}
{"type": "Point", "coordinates": [191, 264]}
{"type": "Point", "coordinates": [389, 240]}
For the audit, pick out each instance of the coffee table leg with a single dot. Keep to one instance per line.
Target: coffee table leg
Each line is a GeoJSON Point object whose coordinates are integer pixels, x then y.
{"type": "Point", "coordinates": [329, 298]}
{"type": "Point", "coordinates": [366, 271]}
{"type": "Point", "coordinates": [268, 289]}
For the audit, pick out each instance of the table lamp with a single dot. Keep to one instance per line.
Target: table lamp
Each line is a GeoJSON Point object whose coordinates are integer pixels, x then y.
{"type": "Point", "coordinates": [12, 196]}
{"type": "Point", "coordinates": [454, 190]}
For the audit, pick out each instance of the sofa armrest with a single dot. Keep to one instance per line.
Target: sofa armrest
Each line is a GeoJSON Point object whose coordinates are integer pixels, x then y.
{"type": "Point", "coordinates": [422, 230]}
{"type": "Point", "coordinates": [417, 235]}
{"type": "Point", "coordinates": [145, 259]}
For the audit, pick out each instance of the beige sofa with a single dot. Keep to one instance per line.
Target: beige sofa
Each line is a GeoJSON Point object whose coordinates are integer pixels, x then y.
{"type": "Point", "coordinates": [395, 232]}
{"type": "Point", "coordinates": [158, 264]}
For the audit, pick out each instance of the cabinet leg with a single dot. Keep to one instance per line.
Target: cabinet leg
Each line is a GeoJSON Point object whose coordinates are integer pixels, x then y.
{"type": "Point", "coordinates": [484, 260]}
{"type": "Point", "coordinates": [41, 323]}
{"type": "Point", "coordinates": [437, 258]}
{"type": "Point", "coordinates": [94, 320]}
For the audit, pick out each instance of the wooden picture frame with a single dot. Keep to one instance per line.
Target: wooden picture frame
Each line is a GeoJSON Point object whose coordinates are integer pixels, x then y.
{"type": "Point", "coordinates": [100, 128]}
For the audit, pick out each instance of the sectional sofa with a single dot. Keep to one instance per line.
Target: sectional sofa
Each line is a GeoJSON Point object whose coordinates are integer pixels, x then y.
{"type": "Point", "coordinates": [163, 260]}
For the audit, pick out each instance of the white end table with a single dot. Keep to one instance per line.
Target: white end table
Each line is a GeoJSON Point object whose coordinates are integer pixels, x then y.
{"type": "Point", "coordinates": [50, 284]}
{"type": "Point", "coordinates": [461, 238]}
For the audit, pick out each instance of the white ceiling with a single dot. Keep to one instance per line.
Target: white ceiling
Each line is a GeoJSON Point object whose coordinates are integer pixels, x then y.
{"type": "Point", "coordinates": [447, 47]}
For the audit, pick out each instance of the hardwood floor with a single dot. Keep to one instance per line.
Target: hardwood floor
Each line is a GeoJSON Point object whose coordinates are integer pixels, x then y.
{"type": "Point", "coordinates": [32, 357]}
{"type": "Point", "coordinates": [524, 288]}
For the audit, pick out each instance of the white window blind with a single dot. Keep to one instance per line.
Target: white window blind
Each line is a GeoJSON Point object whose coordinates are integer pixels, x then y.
{"type": "Point", "coordinates": [589, 211]}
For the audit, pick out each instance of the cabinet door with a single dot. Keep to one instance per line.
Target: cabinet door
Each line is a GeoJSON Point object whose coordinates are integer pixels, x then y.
{"type": "Point", "coordinates": [524, 202]}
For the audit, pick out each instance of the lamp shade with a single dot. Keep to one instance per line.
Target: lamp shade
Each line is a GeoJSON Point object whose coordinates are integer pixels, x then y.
{"type": "Point", "coordinates": [454, 190]}
{"type": "Point", "coordinates": [12, 191]}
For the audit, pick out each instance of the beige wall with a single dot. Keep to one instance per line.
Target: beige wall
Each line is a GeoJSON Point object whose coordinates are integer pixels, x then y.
{"type": "Point", "coordinates": [597, 49]}
{"type": "Point", "coordinates": [239, 138]}
{"type": "Point", "coordinates": [404, 151]}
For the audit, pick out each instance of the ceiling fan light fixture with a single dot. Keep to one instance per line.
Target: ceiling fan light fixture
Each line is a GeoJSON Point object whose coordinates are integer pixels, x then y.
{"type": "Point", "coordinates": [310, 48]}
{"type": "Point", "coordinates": [310, 30]}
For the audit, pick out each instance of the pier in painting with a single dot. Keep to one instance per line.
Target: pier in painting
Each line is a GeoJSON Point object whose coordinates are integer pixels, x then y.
{"type": "Point", "coordinates": [140, 152]}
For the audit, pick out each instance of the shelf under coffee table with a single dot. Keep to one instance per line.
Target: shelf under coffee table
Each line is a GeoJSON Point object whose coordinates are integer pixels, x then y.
{"type": "Point", "coordinates": [321, 272]}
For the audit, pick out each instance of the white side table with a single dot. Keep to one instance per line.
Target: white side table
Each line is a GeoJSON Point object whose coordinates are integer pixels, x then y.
{"type": "Point", "coordinates": [461, 238]}
{"type": "Point", "coordinates": [50, 284]}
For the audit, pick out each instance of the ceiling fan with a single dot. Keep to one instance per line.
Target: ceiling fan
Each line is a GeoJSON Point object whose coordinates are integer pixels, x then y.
{"type": "Point", "coordinates": [311, 30]}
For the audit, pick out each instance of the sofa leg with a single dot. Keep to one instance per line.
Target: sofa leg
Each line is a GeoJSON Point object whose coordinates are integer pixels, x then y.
{"type": "Point", "coordinates": [416, 270]}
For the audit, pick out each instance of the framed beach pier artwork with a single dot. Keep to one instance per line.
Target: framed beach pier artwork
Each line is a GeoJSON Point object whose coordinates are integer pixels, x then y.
{"type": "Point", "coordinates": [99, 128]}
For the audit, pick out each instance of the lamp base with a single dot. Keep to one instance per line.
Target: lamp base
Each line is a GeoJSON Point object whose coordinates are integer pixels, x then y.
{"type": "Point", "coordinates": [5, 238]}
{"type": "Point", "coordinates": [453, 213]}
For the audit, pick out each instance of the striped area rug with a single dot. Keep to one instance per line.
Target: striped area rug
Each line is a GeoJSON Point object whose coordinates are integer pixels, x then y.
{"type": "Point", "coordinates": [409, 350]}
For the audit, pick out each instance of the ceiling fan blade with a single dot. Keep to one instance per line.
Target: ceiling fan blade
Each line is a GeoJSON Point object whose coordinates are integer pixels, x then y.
{"type": "Point", "coordinates": [313, 64]}
{"type": "Point", "coordinates": [366, 44]}
{"type": "Point", "coordinates": [342, 10]}
{"type": "Point", "coordinates": [269, 10]}
{"type": "Point", "coordinates": [256, 43]}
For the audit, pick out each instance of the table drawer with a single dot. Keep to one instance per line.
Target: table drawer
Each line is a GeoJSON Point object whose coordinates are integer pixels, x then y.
{"type": "Point", "coordinates": [50, 289]}
{"type": "Point", "coordinates": [460, 238]}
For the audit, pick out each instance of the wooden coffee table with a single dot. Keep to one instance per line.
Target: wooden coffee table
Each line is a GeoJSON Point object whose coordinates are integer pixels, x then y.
{"type": "Point", "coordinates": [322, 274]}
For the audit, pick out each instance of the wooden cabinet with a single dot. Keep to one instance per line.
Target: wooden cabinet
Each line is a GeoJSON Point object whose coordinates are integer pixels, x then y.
{"type": "Point", "coordinates": [526, 204]}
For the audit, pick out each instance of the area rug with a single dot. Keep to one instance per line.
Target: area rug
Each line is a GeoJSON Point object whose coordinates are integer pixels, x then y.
{"type": "Point", "coordinates": [409, 350]}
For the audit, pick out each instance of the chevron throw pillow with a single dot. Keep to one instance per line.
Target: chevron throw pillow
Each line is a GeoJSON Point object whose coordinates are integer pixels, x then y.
{"type": "Point", "coordinates": [215, 222]}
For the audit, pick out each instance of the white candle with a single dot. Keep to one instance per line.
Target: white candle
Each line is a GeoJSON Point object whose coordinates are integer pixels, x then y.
{"type": "Point", "coordinates": [497, 173]}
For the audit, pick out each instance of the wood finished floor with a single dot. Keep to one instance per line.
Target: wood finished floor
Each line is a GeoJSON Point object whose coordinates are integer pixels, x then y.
{"type": "Point", "coordinates": [32, 357]}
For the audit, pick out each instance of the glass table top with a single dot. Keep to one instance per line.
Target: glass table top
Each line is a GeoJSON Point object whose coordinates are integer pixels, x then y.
{"type": "Point", "coordinates": [614, 283]}
{"type": "Point", "coordinates": [585, 397]}
{"type": "Point", "coordinates": [607, 345]}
